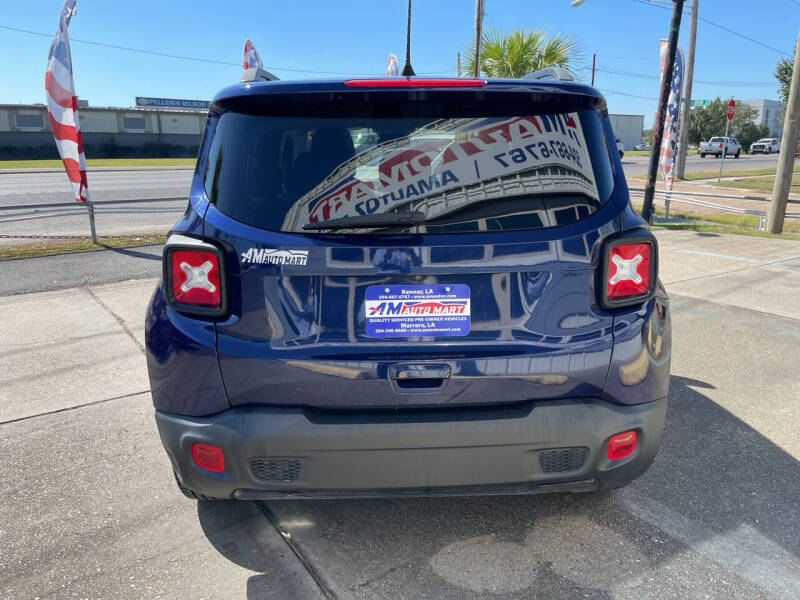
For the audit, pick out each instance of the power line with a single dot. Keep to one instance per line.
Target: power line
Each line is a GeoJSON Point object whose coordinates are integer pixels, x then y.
{"type": "Point", "coordinates": [193, 58]}
{"type": "Point", "coordinates": [616, 93]}
{"type": "Point", "coordinates": [612, 71]}
{"type": "Point", "coordinates": [714, 24]}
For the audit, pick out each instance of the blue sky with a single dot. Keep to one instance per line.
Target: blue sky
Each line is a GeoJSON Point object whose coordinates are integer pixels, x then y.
{"type": "Point", "coordinates": [350, 37]}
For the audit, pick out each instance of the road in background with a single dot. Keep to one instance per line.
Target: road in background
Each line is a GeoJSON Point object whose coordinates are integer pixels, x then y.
{"type": "Point", "coordinates": [90, 508]}
{"type": "Point", "coordinates": [18, 188]}
{"type": "Point", "coordinates": [637, 165]}
{"type": "Point", "coordinates": [47, 186]}
{"type": "Point", "coordinates": [51, 185]}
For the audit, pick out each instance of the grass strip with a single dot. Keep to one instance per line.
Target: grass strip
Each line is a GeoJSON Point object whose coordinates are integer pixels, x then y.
{"type": "Point", "coordinates": [53, 246]}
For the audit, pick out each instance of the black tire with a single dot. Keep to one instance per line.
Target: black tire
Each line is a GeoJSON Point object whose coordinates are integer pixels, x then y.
{"type": "Point", "coordinates": [702, 155]}
{"type": "Point", "coordinates": [621, 154]}
{"type": "Point", "coordinates": [192, 494]}
{"type": "Point", "coordinates": [738, 152]}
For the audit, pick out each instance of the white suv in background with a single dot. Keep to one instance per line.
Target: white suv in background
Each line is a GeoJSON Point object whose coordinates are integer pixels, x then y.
{"type": "Point", "coordinates": [715, 144]}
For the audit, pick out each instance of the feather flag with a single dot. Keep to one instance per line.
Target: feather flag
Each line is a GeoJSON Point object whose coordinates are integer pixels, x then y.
{"type": "Point", "coordinates": [393, 70]}
{"type": "Point", "coordinates": [62, 105]}
{"type": "Point", "coordinates": [251, 58]}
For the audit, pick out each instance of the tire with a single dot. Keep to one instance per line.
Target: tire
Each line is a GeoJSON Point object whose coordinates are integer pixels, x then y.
{"type": "Point", "coordinates": [702, 155]}
{"type": "Point", "coordinates": [738, 152]}
{"type": "Point", "coordinates": [621, 154]}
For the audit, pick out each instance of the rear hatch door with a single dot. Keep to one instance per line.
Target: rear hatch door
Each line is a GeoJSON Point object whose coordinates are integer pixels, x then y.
{"type": "Point", "coordinates": [393, 251]}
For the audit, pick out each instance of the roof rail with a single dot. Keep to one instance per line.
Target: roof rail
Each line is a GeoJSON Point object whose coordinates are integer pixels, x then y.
{"type": "Point", "coordinates": [256, 74]}
{"type": "Point", "coordinates": [559, 73]}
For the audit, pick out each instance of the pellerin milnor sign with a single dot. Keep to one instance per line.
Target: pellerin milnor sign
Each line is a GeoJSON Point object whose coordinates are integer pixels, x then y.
{"type": "Point", "coordinates": [147, 102]}
{"type": "Point", "coordinates": [447, 155]}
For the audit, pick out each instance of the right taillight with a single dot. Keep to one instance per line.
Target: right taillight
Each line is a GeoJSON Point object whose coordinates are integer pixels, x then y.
{"type": "Point", "coordinates": [629, 271]}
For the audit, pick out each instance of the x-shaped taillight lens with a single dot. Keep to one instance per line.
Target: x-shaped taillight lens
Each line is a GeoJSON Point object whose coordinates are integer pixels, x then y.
{"type": "Point", "coordinates": [195, 278]}
{"type": "Point", "coordinates": [629, 270]}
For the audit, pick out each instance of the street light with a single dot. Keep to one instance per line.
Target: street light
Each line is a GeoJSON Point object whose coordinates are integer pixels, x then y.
{"type": "Point", "coordinates": [575, 3]}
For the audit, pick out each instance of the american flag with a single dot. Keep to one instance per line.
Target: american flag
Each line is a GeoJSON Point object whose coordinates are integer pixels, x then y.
{"type": "Point", "coordinates": [62, 106]}
{"type": "Point", "coordinates": [251, 58]}
{"type": "Point", "coordinates": [393, 70]}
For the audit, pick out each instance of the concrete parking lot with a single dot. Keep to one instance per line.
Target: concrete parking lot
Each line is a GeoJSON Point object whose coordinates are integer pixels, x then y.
{"type": "Point", "coordinates": [89, 508]}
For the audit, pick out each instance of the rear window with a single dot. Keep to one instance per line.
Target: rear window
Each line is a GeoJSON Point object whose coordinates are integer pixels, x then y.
{"type": "Point", "coordinates": [456, 174]}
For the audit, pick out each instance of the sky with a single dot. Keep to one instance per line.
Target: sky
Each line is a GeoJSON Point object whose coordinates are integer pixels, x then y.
{"type": "Point", "coordinates": [338, 39]}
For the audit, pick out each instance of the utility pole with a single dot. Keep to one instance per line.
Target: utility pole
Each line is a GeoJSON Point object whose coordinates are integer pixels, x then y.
{"type": "Point", "coordinates": [458, 63]}
{"type": "Point", "coordinates": [791, 124]}
{"type": "Point", "coordinates": [663, 99]}
{"type": "Point", "coordinates": [683, 133]}
{"type": "Point", "coordinates": [478, 33]}
{"type": "Point", "coordinates": [594, 58]}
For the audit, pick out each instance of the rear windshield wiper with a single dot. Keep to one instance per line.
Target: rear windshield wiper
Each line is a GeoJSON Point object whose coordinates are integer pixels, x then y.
{"type": "Point", "coordinates": [366, 221]}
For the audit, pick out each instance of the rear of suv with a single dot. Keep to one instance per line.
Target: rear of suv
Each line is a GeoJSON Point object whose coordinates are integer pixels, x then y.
{"type": "Point", "coordinates": [408, 286]}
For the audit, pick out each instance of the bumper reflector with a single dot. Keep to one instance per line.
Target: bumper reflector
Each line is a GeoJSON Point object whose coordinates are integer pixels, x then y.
{"type": "Point", "coordinates": [621, 445]}
{"type": "Point", "coordinates": [208, 457]}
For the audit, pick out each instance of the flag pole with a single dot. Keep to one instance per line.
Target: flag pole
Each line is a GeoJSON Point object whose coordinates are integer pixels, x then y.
{"type": "Point", "coordinates": [658, 126]}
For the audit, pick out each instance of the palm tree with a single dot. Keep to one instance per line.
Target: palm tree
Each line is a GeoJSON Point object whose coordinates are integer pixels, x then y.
{"type": "Point", "coordinates": [520, 52]}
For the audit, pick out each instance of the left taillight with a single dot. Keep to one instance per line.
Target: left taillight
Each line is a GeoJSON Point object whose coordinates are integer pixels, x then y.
{"type": "Point", "coordinates": [630, 271]}
{"type": "Point", "coordinates": [194, 276]}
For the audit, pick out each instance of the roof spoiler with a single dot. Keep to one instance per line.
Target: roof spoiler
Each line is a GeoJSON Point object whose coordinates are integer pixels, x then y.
{"type": "Point", "coordinates": [255, 74]}
{"type": "Point", "coordinates": [559, 73]}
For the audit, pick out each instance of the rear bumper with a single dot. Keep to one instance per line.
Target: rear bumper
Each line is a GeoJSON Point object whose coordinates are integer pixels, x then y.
{"type": "Point", "coordinates": [528, 448]}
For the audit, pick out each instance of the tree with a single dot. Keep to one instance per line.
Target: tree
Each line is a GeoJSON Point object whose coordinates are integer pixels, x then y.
{"type": "Point", "coordinates": [749, 132]}
{"type": "Point", "coordinates": [783, 73]}
{"type": "Point", "coordinates": [708, 121]}
{"type": "Point", "coordinates": [520, 52]}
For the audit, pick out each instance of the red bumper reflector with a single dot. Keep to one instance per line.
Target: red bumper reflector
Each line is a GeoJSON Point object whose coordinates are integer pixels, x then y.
{"type": "Point", "coordinates": [409, 82]}
{"type": "Point", "coordinates": [208, 457]}
{"type": "Point", "coordinates": [621, 445]}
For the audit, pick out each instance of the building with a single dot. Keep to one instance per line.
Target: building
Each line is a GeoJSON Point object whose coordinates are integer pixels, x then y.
{"type": "Point", "coordinates": [628, 129]}
{"type": "Point", "coordinates": [770, 113]}
{"type": "Point", "coordinates": [151, 132]}
{"type": "Point", "coordinates": [107, 132]}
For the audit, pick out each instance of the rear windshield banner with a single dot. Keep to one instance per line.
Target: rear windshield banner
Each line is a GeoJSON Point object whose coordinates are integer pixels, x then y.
{"type": "Point", "coordinates": [446, 161]}
{"type": "Point", "coordinates": [417, 310]}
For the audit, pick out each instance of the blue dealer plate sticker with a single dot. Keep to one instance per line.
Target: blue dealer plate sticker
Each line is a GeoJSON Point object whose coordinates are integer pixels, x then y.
{"type": "Point", "coordinates": [417, 310]}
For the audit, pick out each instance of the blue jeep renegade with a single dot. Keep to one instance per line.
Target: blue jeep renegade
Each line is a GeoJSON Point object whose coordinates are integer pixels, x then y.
{"type": "Point", "coordinates": [408, 286]}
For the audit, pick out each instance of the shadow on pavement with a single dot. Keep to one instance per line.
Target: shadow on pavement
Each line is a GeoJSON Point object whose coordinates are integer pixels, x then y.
{"type": "Point", "coordinates": [718, 508]}
{"type": "Point", "coordinates": [133, 253]}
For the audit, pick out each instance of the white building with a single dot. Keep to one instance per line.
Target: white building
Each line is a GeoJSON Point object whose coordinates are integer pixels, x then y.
{"type": "Point", "coordinates": [25, 131]}
{"type": "Point", "coordinates": [628, 129]}
{"type": "Point", "coordinates": [770, 113]}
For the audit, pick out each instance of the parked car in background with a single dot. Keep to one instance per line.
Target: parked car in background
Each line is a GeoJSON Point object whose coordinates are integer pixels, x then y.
{"type": "Point", "coordinates": [469, 305]}
{"type": "Point", "coordinates": [642, 147]}
{"type": "Point", "coordinates": [766, 146]}
{"type": "Point", "coordinates": [717, 145]}
{"type": "Point", "coordinates": [620, 148]}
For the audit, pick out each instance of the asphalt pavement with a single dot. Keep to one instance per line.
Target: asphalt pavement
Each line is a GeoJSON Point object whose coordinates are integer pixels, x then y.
{"type": "Point", "coordinates": [38, 187]}
{"type": "Point", "coordinates": [90, 509]}
{"type": "Point", "coordinates": [637, 165]}
{"type": "Point", "coordinates": [73, 269]}
{"type": "Point", "coordinates": [35, 187]}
